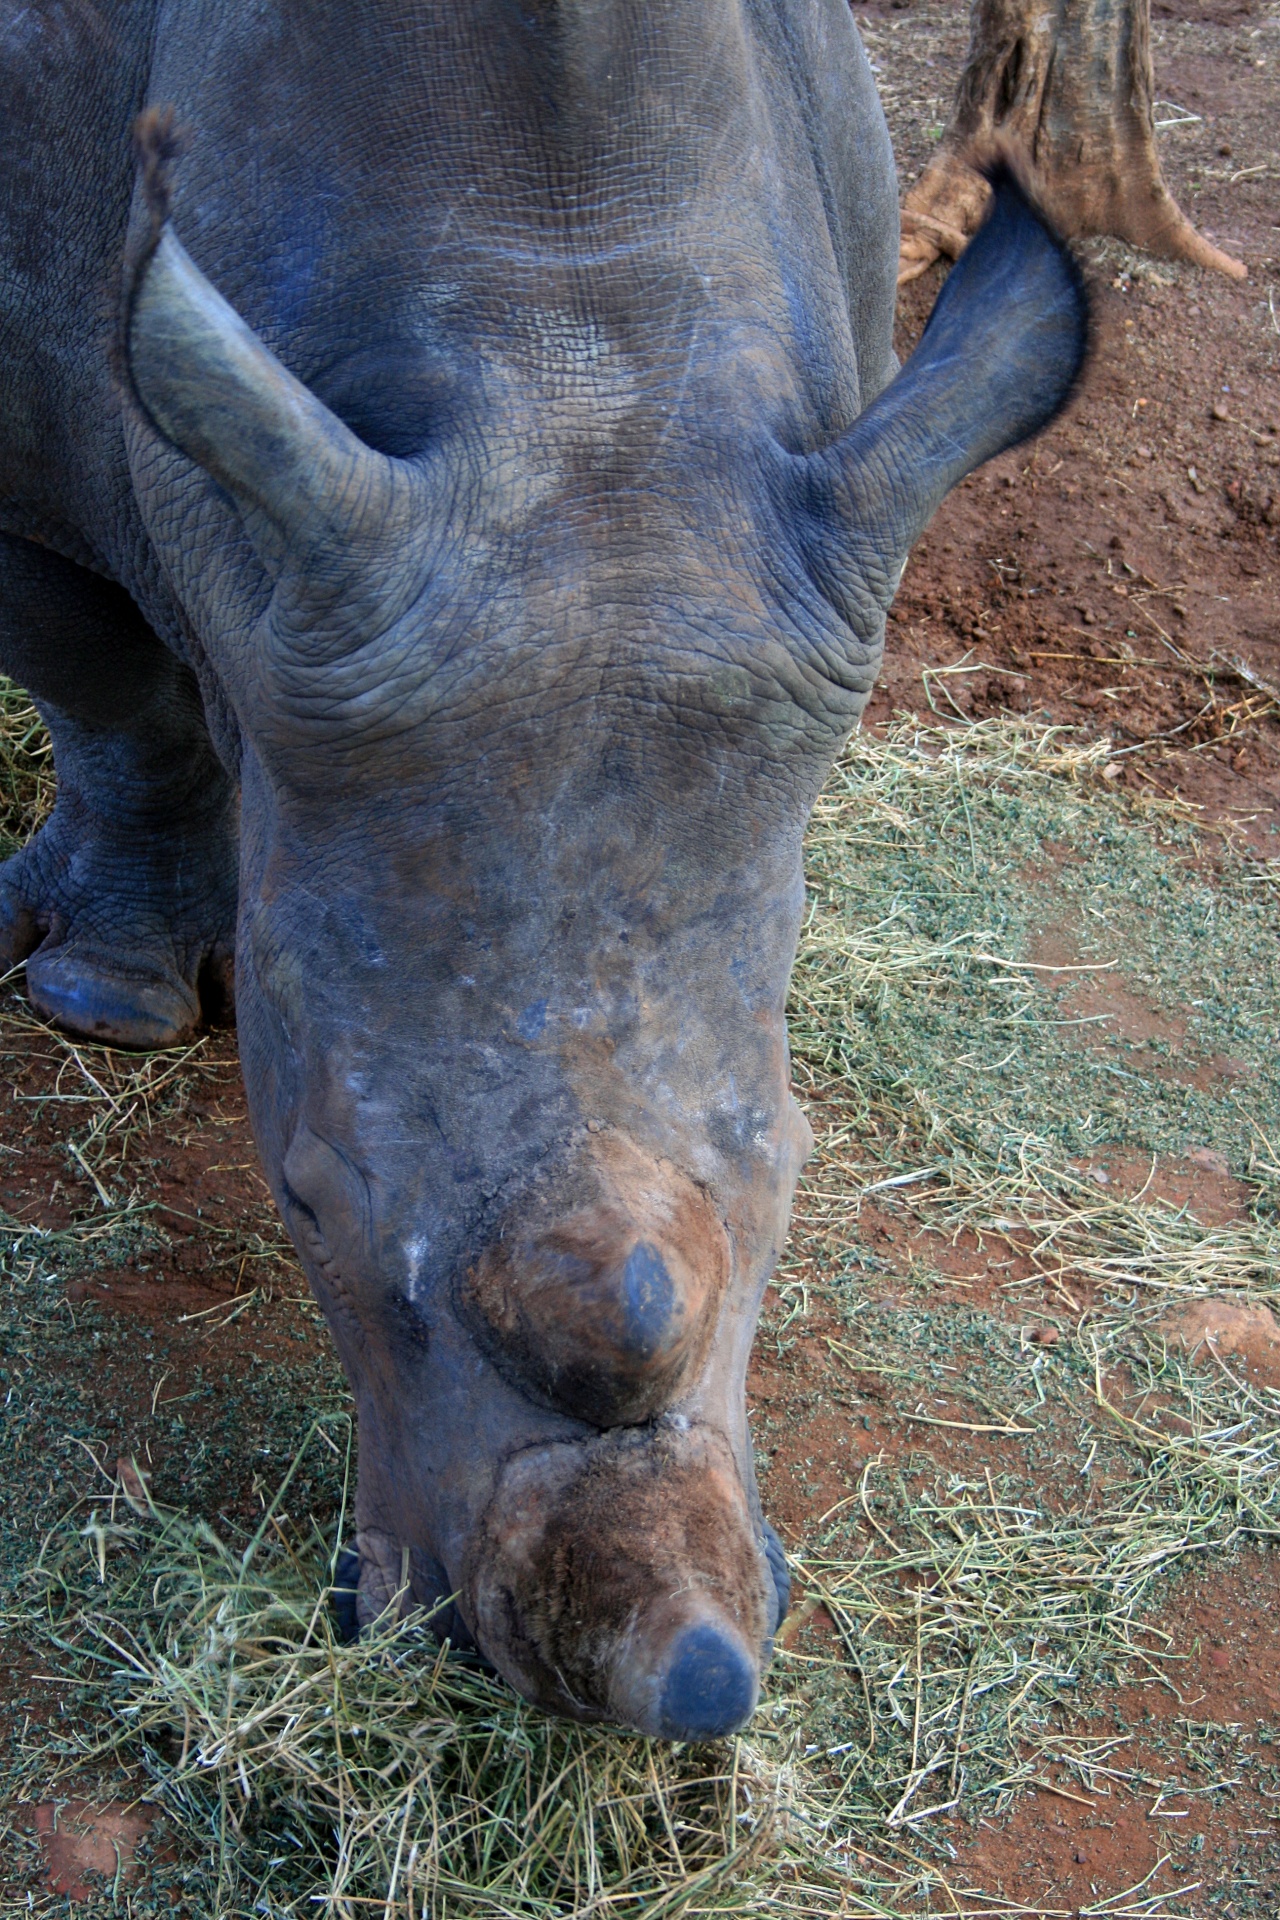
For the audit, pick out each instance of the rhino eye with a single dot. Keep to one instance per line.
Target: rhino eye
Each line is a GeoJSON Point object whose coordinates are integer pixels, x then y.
{"type": "Point", "coordinates": [606, 1311]}
{"type": "Point", "coordinates": [303, 1216]}
{"type": "Point", "coordinates": [393, 400]}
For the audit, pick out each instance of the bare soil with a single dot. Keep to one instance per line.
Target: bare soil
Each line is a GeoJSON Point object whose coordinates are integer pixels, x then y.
{"type": "Point", "coordinates": [1118, 573]}
{"type": "Point", "coordinates": [1119, 576]}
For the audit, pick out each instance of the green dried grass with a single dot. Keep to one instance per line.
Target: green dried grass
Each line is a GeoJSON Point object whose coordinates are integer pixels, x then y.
{"type": "Point", "coordinates": [940, 1061]}
{"type": "Point", "coordinates": [388, 1777]}
{"type": "Point", "coordinates": [386, 1774]}
{"type": "Point", "coordinates": [26, 769]}
{"type": "Point", "coordinates": [971, 1609]}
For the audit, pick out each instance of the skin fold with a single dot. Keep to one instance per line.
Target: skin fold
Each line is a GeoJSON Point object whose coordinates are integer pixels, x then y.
{"type": "Point", "coordinates": [449, 502]}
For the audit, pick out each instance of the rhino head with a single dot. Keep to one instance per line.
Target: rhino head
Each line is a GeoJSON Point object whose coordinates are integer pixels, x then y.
{"type": "Point", "coordinates": [529, 724]}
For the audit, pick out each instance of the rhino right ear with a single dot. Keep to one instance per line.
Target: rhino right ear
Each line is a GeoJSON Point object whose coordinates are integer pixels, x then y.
{"type": "Point", "coordinates": [1000, 356]}
{"type": "Point", "coordinates": [219, 394]}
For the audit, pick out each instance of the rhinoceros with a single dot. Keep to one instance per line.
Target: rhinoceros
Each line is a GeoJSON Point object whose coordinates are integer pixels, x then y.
{"type": "Point", "coordinates": [450, 496]}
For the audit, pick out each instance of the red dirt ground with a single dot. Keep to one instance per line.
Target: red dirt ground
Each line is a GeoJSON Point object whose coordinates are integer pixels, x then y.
{"type": "Point", "coordinates": [1096, 575]}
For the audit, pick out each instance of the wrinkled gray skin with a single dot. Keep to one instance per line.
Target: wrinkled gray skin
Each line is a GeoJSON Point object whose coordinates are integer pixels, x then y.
{"type": "Point", "coordinates": [519, 556]}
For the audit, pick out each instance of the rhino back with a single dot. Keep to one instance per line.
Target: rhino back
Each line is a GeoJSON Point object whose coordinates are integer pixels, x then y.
{"type": "Point", "coordinates": [72, 77]}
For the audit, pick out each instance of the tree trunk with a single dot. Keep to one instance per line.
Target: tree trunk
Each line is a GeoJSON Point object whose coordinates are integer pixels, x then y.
{"type": "Point", "coordinates": [1065, 85]}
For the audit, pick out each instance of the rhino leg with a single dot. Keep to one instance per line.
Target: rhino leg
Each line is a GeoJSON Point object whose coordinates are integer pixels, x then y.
{"type": "Point", "coordinates": [123, 903]}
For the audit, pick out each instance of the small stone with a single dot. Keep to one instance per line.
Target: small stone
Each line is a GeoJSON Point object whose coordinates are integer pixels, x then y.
{"type": "Point", "coordinates": [1101, 1175]}
{"type": "Point", "coordinates": [1045, 1336]}
{"type": "Point", "coordinates": [1082, 1858]}
{"type": "Point", "coordinates": [1210, 1159]}
{"type": "Point", "coordinates": [1218, 412]}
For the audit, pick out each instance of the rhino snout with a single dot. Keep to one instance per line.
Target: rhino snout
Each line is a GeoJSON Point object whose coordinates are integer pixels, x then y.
{"type": "Point", "coordinates": [601, 1293]}
{"type": "Point", "coordinates": [622, 1580]}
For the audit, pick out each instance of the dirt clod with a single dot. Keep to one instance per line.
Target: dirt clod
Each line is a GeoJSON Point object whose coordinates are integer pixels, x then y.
{"type": "Point", "coordinates": [79, 1839]}
{"type": "Point", "coordinates": [1249, 1334]}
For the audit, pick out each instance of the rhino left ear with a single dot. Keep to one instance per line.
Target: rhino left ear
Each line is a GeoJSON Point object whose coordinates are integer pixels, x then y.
{"type": "Point", "coordinates": [217, 391]}
{"type": "Point", "coordinates": [1000, 356]}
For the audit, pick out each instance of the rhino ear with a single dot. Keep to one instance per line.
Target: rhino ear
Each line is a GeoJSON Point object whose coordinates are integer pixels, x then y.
{"type": "Point", "coordinates": [211, 387]}
{"type": "Point", "coordinates": [1001, 353]}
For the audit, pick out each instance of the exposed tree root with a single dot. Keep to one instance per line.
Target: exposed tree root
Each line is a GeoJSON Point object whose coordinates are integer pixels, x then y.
{"type": "Point", "coordinates": [1066, 87]}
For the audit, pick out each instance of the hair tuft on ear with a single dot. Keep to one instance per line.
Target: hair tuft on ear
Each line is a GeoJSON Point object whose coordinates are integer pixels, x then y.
{"type": "Point", "coordinates": [158, 141]}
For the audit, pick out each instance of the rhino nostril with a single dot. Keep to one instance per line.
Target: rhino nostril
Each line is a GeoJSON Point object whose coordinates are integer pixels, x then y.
{"type": "Point", "coordinates": [710, 1686]}
{"type": "Point", "coordinates": [649, 1301]}
{"type": "Point", "coordinates": [775, 1553]}
{"type": "Point", "coordinates": [345, 1595]}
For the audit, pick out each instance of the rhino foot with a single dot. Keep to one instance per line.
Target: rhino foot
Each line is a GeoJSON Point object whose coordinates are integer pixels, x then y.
{"type": "Point", "coordinates": [124, 943]}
